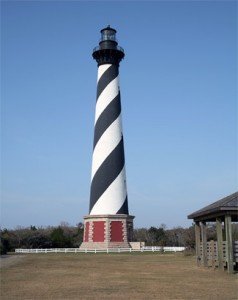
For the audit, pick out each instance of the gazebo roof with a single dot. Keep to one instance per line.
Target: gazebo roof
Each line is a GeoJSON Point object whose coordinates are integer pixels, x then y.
{"type": "Point", "coordinates": [220, 208]}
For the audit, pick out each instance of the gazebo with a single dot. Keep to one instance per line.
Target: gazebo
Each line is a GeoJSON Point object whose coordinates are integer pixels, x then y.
{"type": "Point", "coordinates": [222, 252]}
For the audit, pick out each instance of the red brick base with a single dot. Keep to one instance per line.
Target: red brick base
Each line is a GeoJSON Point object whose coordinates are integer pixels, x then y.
{"type": "Point", "coordinates": [107, 231]}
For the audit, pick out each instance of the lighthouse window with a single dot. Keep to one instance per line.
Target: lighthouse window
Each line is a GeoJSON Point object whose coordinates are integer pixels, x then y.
{"type": "Point", "coordinates": [108, 36]}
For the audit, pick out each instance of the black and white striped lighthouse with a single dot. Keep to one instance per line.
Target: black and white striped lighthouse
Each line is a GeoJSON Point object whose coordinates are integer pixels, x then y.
{"type": "Point", "coordinates": [108, 223]}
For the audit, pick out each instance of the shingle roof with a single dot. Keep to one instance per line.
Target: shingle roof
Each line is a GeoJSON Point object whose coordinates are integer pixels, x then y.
{"type": "Point", "coordinates": [229, 203]}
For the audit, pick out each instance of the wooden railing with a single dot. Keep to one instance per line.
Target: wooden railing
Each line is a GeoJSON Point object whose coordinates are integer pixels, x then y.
{"type": "Point", "coordinates": [212, 253]}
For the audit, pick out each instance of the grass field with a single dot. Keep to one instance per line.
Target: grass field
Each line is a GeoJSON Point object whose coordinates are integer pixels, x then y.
{"type": "Point", "coordinates": [112, 276]}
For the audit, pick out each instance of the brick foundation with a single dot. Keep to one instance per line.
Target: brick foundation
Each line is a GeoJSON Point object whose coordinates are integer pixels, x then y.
{"type": "Point", "coordinates": [107, 231]}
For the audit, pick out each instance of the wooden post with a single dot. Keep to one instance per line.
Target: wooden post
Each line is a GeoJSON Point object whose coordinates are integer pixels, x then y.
{"type": "Point", "coordinates": [219, 243]}
{"type": "Point", "coordinates": [204, 243]}
{"type": "Point", "coordinates": [229, 246]}
{"type": "Point", "coordinates": [198, 242]}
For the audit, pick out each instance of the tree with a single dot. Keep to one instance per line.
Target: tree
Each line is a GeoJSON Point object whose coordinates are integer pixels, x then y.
{"type": "Point", "coordinates": [140, 235]}
{"type": "Point", "coordinates": [157, 236]}
{"type": "Point", "coordinates": [33, 228]}
{"type": "Point", "coordinates": [59, 239]}
{"type": "Point", "coordinates": [37, 240]}
{"type": "Point", "coordinates": [4, 242]}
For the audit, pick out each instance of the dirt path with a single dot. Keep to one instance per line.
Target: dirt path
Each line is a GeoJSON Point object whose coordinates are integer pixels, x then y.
{"type": "Point", "coordinates": [10, 260]}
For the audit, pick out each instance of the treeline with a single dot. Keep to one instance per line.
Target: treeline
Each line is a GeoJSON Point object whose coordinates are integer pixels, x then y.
{"type": "Point", "coordinates": [66, 236]}
{"type": "Point", "coordinates": [178, 236]}
{"type": "Point", "coordinates": [63, 236]}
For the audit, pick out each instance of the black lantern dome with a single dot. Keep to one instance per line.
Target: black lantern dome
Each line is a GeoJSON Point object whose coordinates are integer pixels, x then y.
{"type": "Point", "coordinates": [108, 51]}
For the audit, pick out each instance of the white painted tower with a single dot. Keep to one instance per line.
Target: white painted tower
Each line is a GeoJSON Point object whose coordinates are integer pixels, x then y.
{"type": "Point", "coordinates": [108, 223]}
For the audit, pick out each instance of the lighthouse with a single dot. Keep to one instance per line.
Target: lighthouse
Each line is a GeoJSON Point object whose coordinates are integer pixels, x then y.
{"type": "Point", "coordinates": [108, 224]}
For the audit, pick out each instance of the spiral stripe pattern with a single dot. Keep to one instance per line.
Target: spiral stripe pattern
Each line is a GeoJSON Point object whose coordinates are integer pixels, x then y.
{"type": "Point", "coordinates": [108, 181]}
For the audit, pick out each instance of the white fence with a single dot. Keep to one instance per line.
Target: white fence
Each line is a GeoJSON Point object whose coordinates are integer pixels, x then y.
{"type": "Point", "coordinates": [109, 250]}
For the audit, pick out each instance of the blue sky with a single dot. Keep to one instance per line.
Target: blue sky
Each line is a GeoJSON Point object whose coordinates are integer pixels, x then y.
{"type": "Point", "coordinates": [179, 94]}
